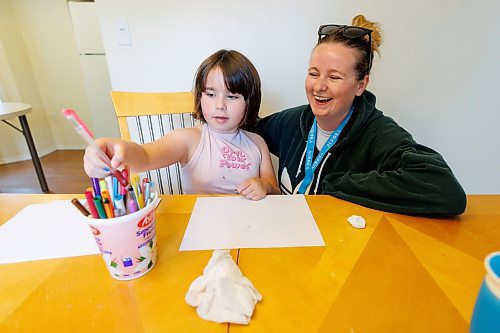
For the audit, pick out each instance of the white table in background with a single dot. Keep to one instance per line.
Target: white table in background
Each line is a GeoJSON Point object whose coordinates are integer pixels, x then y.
{"type": "Point", "coordinates": [11, 110]}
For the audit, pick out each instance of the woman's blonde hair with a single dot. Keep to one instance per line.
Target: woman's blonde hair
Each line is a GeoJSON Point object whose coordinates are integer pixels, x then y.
{"type": "Point", "coordinates": [362, 22]}
{"type": "Point", "coordinates": [365, 60]}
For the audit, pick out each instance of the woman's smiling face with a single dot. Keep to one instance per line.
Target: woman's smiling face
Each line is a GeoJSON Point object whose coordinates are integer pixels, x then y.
{"type": "Point", "coordinates": [331, 83]}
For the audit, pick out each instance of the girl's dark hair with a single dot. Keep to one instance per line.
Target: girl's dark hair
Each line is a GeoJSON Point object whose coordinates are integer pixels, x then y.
{"type": "Point", "coordinates": [359, 44]}
{"type": "Point", "coordinates": [240, 77]}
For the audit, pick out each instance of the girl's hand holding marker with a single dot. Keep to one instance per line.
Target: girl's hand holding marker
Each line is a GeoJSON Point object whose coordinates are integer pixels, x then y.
{"type": "Point", "coordinates": [102, 201]}
{"type": "Point", "coordinates": [87, 135]}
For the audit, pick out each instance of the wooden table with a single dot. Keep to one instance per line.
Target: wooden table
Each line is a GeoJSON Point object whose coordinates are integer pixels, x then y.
{"type": "Point", "coordinates": [11, 110]}
{"type": "Point", "coordinates": [400, 274]}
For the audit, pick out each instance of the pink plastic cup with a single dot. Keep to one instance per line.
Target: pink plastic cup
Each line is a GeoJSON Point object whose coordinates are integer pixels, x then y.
{"type": "Point", "coordinates": [127, 243]}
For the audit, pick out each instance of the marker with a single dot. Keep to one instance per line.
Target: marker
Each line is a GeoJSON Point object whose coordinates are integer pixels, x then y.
{"type": "Point", "coordinates": [119, 205]}
{"type": "Point", "coordinates": [103, 185]}
{"type": "Point", "coordinates": [132, 200]}
{"type": "Point", "coordinates": [147, 191]}
{"type": "Point", "coordinates": [136, 186]}
{"type": "Point", "coordinates": [96, 187]}
{"type": "Point", "coordinates": [100, 207]}
{"type": "Point", "coordinates": [80, 207]}
{"type": "Point", "coordinates": [116, 186]}
{"type": "Point", "coordinates": [122, 180]}
{"type": "Point", "coordinates": [131, 206]}
{"type": "Point", "coordinates": [151, 195]}
{"type": "Point", "coordinates": [87, 135]}
{"type": "Point", "coordinates": [123, 190]}
{"type": "Point", "coordinates": [150, 199]}
{"type": "Point", "coordinates": [90, 203]}
{"type": "Point", "coordinates": [140, 197]}
{"type": "Point", "coordinates": [106, 195]}
{"type": "Point", "coordinates": [125, 175]}
{"type": "Point", "coordinates": [108, 208]}
{"type": "Point", "coordinates": [131, 193]}
{"type": "Point", "coordinates": [109, 182]}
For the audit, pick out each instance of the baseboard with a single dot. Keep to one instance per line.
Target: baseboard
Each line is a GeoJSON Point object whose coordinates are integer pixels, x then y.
{"type": "Point", "coordinates": [71, 147]}
{"type": "Point", "coordinates": [26, 156]}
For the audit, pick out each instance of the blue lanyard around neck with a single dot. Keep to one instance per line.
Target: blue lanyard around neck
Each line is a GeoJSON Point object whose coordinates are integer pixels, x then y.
{"type": "Point", "coordinates": [311, 166]}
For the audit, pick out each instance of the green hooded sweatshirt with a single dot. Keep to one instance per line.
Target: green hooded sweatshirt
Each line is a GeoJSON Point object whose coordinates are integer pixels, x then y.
{"type": "Point", "coordinates": [374, 163]}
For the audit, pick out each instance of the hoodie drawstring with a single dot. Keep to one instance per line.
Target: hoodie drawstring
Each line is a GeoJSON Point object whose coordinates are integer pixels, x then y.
{"type": "Point", "coordinates": [300, 163]}
{"type": "Point", "coordinates": [320, 170]}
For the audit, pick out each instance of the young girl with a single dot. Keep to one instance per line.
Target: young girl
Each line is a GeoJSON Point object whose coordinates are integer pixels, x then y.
{"type": "Point", "coordinates": [217, 156]}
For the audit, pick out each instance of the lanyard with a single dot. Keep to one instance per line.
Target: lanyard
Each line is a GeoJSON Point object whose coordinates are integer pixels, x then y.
{"type": "Point", "coordinates": [311, 166]}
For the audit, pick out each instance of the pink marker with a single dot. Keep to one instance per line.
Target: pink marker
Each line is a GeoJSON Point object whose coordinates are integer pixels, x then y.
{"type": "Point", "coordinates": [87, 135]}
{"type": "Point", "coordinates": [131, 201]}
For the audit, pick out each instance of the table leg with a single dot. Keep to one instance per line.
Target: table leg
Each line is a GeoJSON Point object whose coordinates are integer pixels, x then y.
{"type": "Point", "coordinates": [33, 152]}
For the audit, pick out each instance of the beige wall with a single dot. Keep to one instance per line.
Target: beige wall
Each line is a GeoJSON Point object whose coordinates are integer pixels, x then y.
{"type": "Point", "coordinates": [40, 66]}
{"type": "Point", "coordinates": [19, 85]}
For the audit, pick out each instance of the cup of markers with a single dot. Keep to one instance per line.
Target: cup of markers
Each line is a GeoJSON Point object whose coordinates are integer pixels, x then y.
{"type": "Point", "coordinates": [121, 217]}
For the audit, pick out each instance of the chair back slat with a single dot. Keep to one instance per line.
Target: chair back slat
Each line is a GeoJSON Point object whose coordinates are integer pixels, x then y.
{"type": "Point", "coordinates": [145, 117]}
{"type": "Point", "coordinates": [143, 103]}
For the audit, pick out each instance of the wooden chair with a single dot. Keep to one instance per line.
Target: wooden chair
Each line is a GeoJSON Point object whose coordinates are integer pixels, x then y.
{"type": "Point", "coordinates": [145, 117]}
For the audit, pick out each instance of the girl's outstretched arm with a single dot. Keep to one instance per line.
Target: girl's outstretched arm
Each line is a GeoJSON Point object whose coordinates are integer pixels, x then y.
{"type": "Point", "coordinates": [173, 147]}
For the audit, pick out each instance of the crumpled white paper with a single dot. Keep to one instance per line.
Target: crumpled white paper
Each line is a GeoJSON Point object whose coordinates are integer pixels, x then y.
{"type": "Point", "coordinates": [357, 221]}
{"type": "Point", "coordinates": [222, 294]}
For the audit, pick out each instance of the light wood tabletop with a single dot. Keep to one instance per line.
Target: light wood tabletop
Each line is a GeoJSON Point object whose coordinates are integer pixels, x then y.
{"type": "Point", "coordinates": [400, 273]}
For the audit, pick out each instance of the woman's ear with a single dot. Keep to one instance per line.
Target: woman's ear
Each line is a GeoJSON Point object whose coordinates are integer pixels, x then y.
{"type": "Point", "coordinates": [362, 84]}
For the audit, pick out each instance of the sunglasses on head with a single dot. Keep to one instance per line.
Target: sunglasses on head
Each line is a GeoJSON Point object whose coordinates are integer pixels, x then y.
{"type": "Point", "coordinates": [348, 32]}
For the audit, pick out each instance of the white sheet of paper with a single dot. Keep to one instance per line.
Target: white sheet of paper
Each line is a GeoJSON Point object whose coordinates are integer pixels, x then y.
{"type": "Point", "coordinates": [236, 222]}
{"type": "Point", "coordinates": [45, 231]}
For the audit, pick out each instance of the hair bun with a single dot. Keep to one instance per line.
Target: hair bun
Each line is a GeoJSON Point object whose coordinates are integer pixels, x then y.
{"type": "Point", "coordinates": [362, 22]}
{"type": "Point", "coordinates": [359, 21]}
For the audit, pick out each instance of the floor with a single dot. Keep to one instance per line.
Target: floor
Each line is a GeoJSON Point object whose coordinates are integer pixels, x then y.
{"type": "Point", "coordinates": [63, 171]}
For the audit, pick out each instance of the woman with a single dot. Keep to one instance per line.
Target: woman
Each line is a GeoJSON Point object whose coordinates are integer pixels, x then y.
{"type": "Point", "coordinates": [340, 144]}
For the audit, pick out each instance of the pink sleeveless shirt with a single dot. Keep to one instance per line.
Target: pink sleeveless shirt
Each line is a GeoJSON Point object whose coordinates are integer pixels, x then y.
{"type": "Point", "coordinates": [221, 162]}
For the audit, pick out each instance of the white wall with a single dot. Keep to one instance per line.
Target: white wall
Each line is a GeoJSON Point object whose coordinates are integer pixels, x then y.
{"type": "Point", "coordinates": [437, 76]}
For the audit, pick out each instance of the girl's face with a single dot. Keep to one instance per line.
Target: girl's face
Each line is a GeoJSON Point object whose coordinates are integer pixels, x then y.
{"type": "Point", "coordinates": [223, 110]}
{"type": "Point", "coordinates": [331, 83]}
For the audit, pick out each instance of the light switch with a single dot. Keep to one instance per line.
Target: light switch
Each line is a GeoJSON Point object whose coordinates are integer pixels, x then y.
{"type": "Point", "coordinates": [122, 32]}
